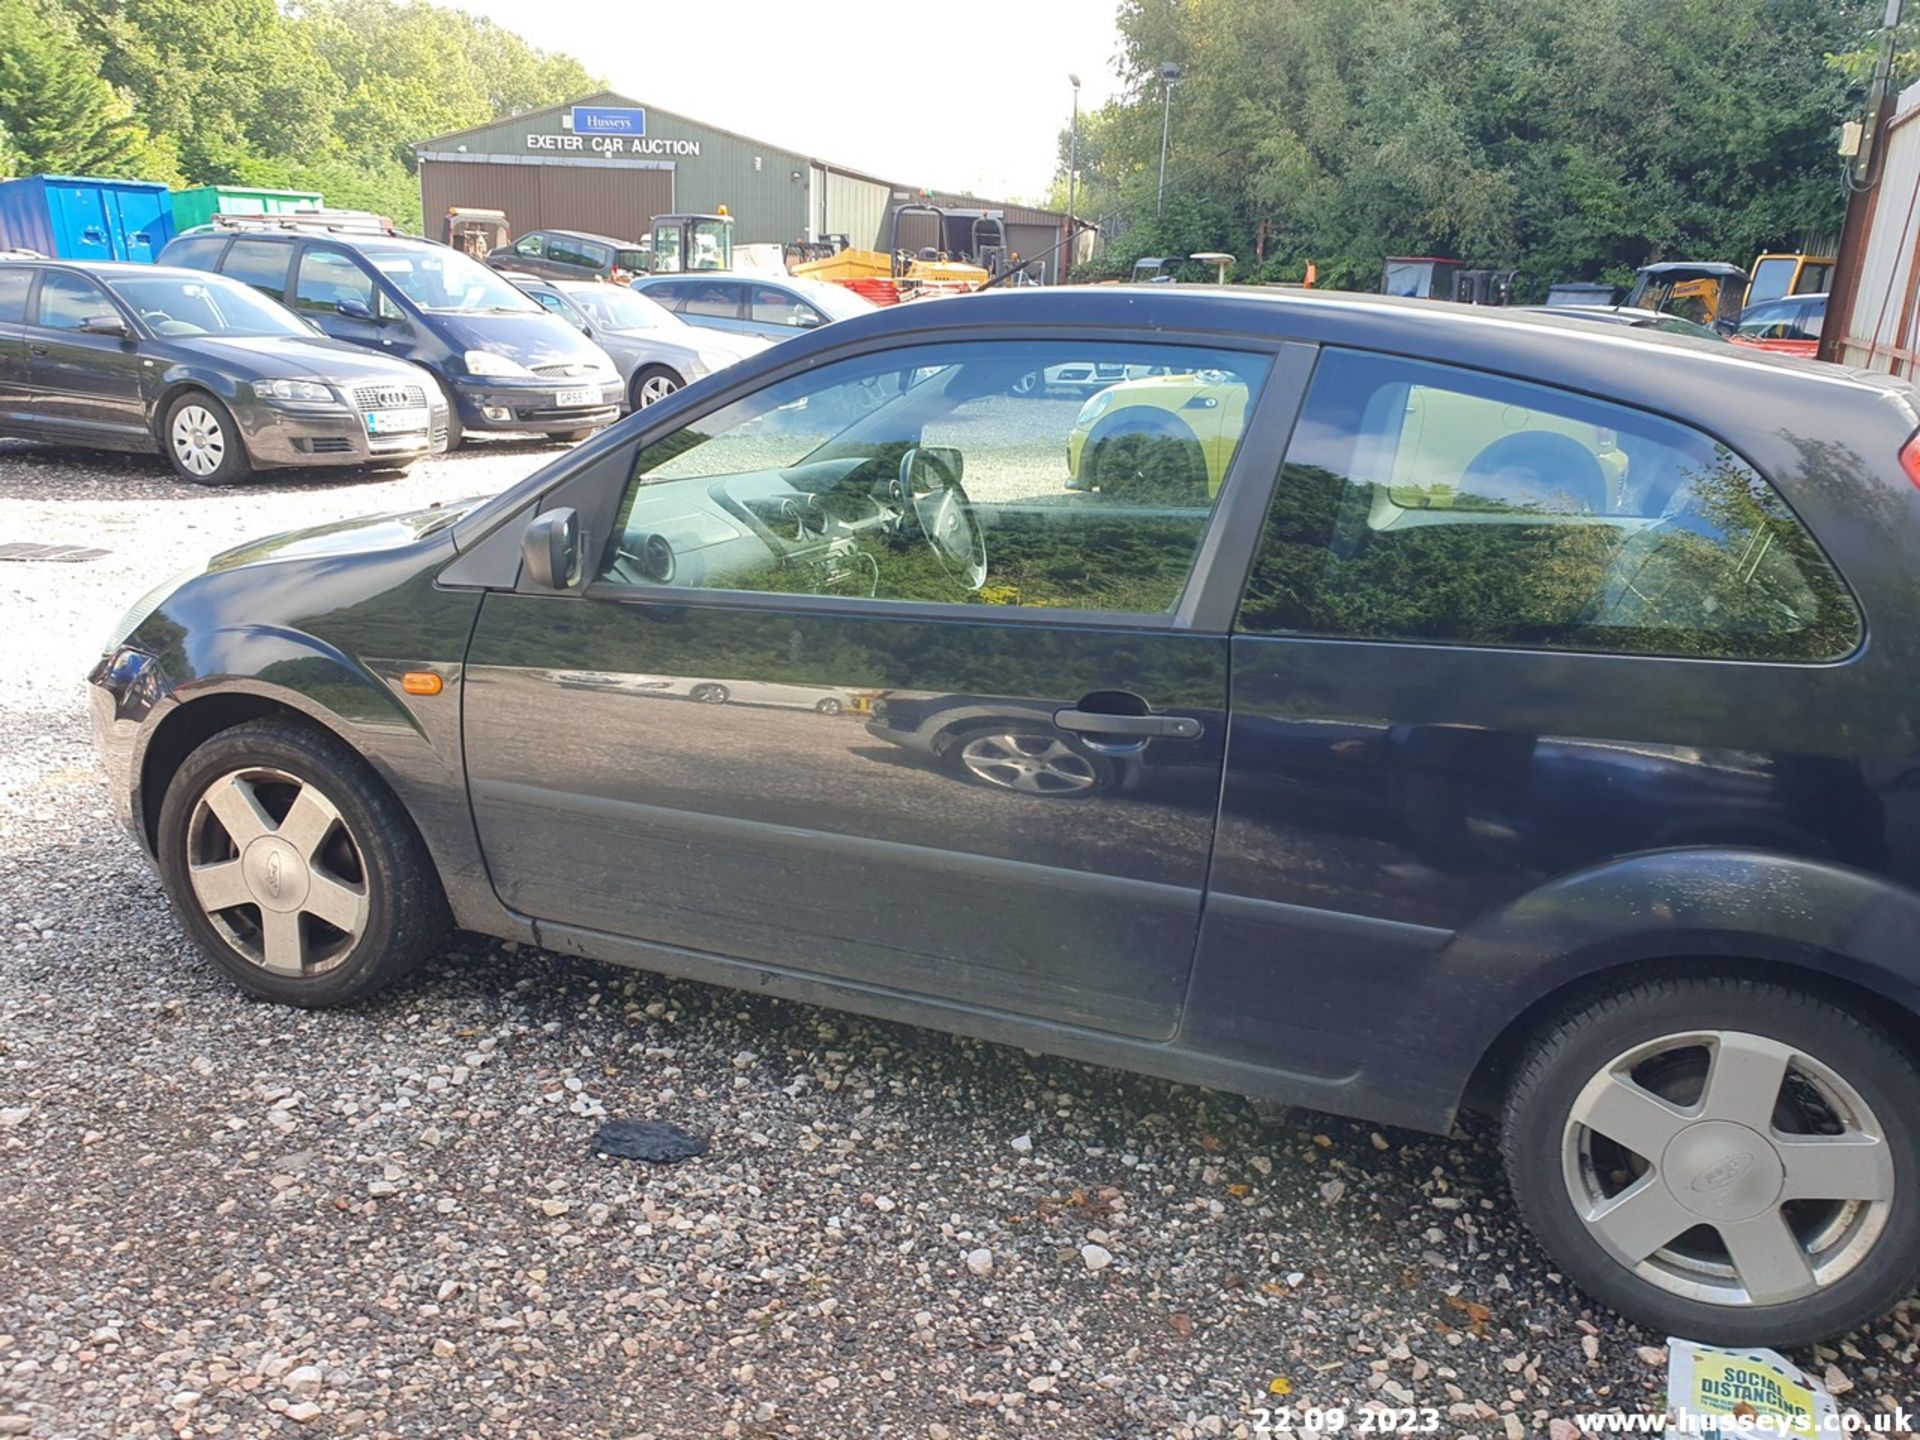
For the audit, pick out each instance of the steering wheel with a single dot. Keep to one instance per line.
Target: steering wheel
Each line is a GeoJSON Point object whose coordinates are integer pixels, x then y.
{"type": "Point", "coordinates": [932, 501]}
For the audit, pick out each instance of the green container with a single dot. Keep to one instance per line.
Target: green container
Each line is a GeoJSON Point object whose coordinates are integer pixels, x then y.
{"type": "Point", "coordinates": [200, 204]}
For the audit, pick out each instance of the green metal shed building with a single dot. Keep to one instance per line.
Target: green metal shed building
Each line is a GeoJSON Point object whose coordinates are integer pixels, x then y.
{"type": "Point", "coordinates": [608, 163]}
{"type": "Point", "coordinates": [545, 173]}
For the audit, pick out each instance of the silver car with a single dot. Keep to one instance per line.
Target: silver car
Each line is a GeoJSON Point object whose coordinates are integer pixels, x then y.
{"type": "Point", "coordinates": [656, 350]}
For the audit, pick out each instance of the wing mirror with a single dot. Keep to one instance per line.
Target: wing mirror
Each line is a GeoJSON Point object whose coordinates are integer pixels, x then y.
{"type": "Point", "coordinates": [355, 309]}
{"type": "Point", "coordinates": [942, 464]}
{"type": "Point", "coordinates": [551, 550]}
{"type": "Point", "coordinates": [105, 325]}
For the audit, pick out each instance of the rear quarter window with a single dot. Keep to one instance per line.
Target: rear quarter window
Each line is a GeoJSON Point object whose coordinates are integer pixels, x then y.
{"type": "Point", "coordinates": [196, 252]}
{"type": "Point", "coordinates": [1424, 503]}
{"type": "Point", "coordinates": [261, 264]}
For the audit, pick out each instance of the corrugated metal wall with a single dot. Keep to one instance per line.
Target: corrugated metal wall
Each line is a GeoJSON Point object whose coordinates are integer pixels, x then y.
{"type": "Point", "coordinates": [602, 198]}
{"type": "Point", "coordinates": [1879, 333]}
{"type": "Point", "coordinates": [855, 207]}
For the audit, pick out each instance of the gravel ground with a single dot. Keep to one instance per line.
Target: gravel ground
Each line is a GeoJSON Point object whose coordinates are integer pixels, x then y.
{"type": "Point", "coordinates": [222, 1218]}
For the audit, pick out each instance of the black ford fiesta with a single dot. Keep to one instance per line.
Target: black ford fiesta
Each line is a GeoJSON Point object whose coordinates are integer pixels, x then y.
{"type": "Point", "coordinates": [1360, 704]}
{"type": "Point", "coordinates": [205, 371]}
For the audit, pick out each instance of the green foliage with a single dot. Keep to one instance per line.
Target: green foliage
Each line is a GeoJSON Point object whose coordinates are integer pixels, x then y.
{"type": "Point", "coordinates": [1564, 138]}
{"type": "Point", "coordinates": [57, 115]}
{"type": "Point", "coordinates": [328, 97]}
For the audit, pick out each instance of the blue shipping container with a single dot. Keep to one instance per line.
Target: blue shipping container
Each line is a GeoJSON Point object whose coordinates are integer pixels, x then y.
{"type": "Point", "coordinates": [79, 217]}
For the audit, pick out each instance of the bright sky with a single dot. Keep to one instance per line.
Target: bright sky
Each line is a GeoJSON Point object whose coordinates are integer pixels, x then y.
{"type": "Point", "coordinates": [927, 92]}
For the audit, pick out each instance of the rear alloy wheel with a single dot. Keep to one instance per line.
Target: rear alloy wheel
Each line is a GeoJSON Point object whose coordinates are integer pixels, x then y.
{"type": "Point", "coordinates": [1721, 1159]}
{"type": "Point", "coordinates": [653, 384]}
{"type": "Point", "coordinates": [294, 868]}
{"type": "Point", "coordinates": [202, 443]}
{"type": "Point", "coordinates": [710, 694]}
{"type": "Point", "coordinates": [1027, 762]}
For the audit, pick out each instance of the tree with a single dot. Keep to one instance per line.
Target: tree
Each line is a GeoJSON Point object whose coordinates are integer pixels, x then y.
{"type": "Point", "coordinates": [56, 113]}
{"type": "Point", "coordinates": [230, 80]}
{"type": "Point", "coordinates": [1565, 138]}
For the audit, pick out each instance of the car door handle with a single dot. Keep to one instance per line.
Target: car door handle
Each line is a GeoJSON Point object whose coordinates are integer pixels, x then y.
{"type": "Point", "coordinates": [36, 349]}
{"type": "Point", "coordinates": [1134, 727]}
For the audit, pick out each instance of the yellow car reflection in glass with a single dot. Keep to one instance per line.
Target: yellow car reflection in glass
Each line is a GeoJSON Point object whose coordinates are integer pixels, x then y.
{"type": "Point", "coordinates": [1119, 442]}
{"type": "Point", "coordinates": [1166, 436]}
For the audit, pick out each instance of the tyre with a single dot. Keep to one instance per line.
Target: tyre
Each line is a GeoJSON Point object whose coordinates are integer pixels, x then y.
{"type": "Point", "coordinates": [294, 868]}
{"type": "Point", "coordinates": [1151, 465]}
{"type": "Point", "coordinates": [652, 384]}
{"type": "Point", "coordinates": [1028, 761]}
{"type": "Point", "coordinates": [201, 441]}
{"type": "Point", "coordinates": [455, 431]}
{"type": "Point", "coordinates": [1720, 1159]}
{"type": "Point", "coordinates": [709, 693]}
{"type": "Point", "coordinates": [828, 706]}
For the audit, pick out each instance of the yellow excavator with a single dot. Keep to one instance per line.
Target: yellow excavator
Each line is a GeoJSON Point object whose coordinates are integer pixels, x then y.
{"type": "Point", "coordinates": [889, 276]}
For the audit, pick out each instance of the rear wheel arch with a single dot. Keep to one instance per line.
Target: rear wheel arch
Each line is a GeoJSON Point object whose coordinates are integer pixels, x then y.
{"type": "Point", "coordinates": [1829, 980]}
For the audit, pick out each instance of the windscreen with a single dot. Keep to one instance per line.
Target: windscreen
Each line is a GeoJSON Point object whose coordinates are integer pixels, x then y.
{"type": "Point", "coordinates": [614, 308]}
{"type": "Point", "coordinates": [446, 280]}
{"type": "Point", "coordinates": [204, 305]}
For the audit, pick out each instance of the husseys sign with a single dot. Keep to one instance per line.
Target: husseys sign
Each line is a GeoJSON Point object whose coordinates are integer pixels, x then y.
{"type": "Point", "coordinates": [609, 130]}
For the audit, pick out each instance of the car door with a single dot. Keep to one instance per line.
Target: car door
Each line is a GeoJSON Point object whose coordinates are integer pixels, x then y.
{"type": "Point", "coordinates": [1495, 635]}
{"type": "Point", "coordinates": [16, 281]}
{"type": "Point", "coordinates": [82, 382]}
{"type": "Point", "coordinates": [860, 689]}
{"type": "Point", "coordinates": [334, 290]}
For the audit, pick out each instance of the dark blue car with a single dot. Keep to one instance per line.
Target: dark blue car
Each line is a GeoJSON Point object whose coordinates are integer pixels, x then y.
{"type": "Point", "coordinates": [1425, 709]}
{"type": "Point", "coordinates": [502, 361]}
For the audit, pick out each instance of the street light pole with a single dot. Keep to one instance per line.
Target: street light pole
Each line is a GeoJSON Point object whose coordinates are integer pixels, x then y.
{"type": "Point", "coordinates": [1169, 77]}
{"type": "Point", "coordinates": [1073, 173]}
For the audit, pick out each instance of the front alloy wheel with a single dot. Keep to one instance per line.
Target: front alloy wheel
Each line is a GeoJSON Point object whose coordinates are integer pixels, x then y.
{"type": "Point", "coordinates": [277, 871]}
{"type": "Point", "coordinates": [654, 384]}
{"type": "Point", "coordinates": [201, 441]}
{"type": "Point", "coordinates": [294, 868]}
{"type": "Point", "coordinates": [1725, 1159]}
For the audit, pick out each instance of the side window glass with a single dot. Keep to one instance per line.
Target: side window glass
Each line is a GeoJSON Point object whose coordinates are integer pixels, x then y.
{"type": "Point", "coordinates": [712, 298]}
{"type": "Point", "coordinates": [958, 473]}
{"type": "Point", "coordinates": [15, 281]}
{"type": "Point", "coordinates": [1428, 504]}
{"type": "Point", "coordinates": [563, 251]}
{"type": "Point", "coordinates": [261, 264]}
{"type": "Point", "coordinates": [771, 306]}
{"type": "Point", "coordinates": [534, 245]}
{"type": "Point", "coordinates": [328, 279]}
{"type": "Point", "coordinates": [68, 301]}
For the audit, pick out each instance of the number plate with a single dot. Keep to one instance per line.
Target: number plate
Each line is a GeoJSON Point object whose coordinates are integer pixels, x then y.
{"type": "Point", "coordinates": [587, 396]}
{"type": "Point", "coordinates": [394, 422]}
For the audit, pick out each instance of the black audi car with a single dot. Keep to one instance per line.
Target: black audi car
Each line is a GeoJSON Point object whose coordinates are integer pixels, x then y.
{"type": "Point", "coordinates": [1418, 710]}
{"type": "Point", "coordinates": [202, 370]}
